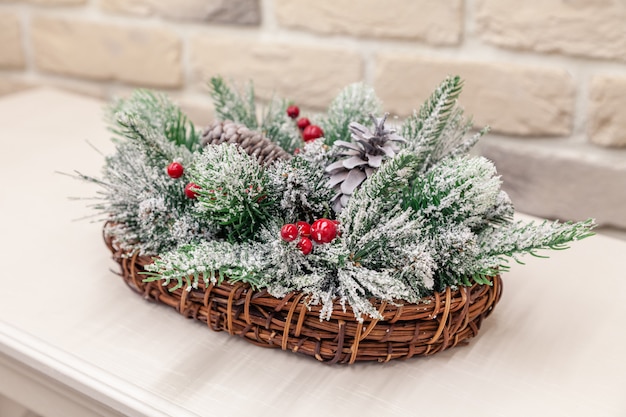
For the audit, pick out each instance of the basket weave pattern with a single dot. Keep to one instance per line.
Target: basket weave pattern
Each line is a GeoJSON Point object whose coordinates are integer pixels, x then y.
{"type": "Point", "coordinates": [445, 320]}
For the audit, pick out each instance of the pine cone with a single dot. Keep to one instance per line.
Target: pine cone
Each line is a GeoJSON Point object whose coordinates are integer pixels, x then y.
{"type": "Point", "coordinates": [363, 157]}
{"type": "Point", "coordinates": [254, 143]}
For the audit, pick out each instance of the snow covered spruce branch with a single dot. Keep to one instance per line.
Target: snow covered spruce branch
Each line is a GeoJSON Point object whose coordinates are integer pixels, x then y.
{"type": "Point", "coordinates": [360, 210]}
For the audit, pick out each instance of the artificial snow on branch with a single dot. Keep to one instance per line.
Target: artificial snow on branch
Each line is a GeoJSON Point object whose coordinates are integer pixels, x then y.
{"type": "Point", "coordinates": [354, 104]}
{"type": "Point", "coordinates": [346, 212]}
{"type": "Point", "coordinates": [232, 191]}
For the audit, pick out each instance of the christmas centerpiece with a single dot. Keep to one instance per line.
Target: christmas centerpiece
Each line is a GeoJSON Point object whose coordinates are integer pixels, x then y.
{"type": "Point", "coordinates": [340, 236]}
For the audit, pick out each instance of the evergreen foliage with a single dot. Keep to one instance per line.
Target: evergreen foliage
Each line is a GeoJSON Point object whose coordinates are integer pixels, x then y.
{"type": "Point", "coordinates": [378, 195]}
{"type": "Point", "coordinates": [234, 191]}
{"type": "Point", "coordinates": [230, 104]}
{"type": "Point", "coordinates": [212, 262]}
{"type": "Point", "coordinates": [146, 209]}
{"type": "Point", "coordinates": [300, 189]}
{"type": "Point", "coordinates": [520, 238]}
{"type": "Point", "coordinates": [429, 217]}
{"type": "Point", "coordinates": [279, 127]}
{"type": "Point", "coordinates": [353, 104]}
{"type": "Point", "coordinates": [233, 105]}
{"type": "Point", "coordinates": [439, 129]}
{"type": "Point", "coordinates": [156, 112]}
{"type": "Point", "coordinates": [459, 190]}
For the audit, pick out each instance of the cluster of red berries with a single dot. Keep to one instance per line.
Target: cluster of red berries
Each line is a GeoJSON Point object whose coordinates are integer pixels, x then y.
{"type": "Point", "coordinates": [309, 132]}
{"type": "Point", "coordinates": [321, 231]}
{"type": "Point", "coordinates": [176, 170]}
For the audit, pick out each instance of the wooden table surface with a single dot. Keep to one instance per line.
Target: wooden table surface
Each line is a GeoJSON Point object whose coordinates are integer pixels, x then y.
{"type": "Point", "coordinates": [74, 340]}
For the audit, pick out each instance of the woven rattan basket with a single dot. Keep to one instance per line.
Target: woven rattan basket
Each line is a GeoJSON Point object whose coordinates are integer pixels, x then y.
{"type": "Point", "coordinates": [444, 320]}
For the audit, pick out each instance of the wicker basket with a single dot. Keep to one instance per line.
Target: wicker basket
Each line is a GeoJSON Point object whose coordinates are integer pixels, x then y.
{"type": "Point", "coordinates": [444, 320]}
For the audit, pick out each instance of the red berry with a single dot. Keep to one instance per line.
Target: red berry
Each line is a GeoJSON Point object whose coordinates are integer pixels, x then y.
{"type": "Point", "coordinates": [293, 111]}
{"type": "Point", "coordinates": [191, 190]}
{"type": "Point", "coordinates": [289, 232]}
{"type": "Point", "coordinates": [303, 122]}
{"type": "Point", "coordinates": [312, 132]}
{"type": "Point", "coordinates": [296, 151]}
{"type": "Point", "coordinates": [305, 245]}
{"type": "Point", "coordinates": [175, 170]}
{"type": "Point", "coordinates": [304, 228]}
{"type": "Point", "coordinates": [323, 231]}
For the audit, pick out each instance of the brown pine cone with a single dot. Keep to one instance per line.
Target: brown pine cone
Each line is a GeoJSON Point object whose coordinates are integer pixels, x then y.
{"type": "Point", "coordinates": [254, 143]}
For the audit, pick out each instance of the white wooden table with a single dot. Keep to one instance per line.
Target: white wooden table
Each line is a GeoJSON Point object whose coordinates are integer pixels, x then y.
{"type": "Point", "coordinates": [74, 341]}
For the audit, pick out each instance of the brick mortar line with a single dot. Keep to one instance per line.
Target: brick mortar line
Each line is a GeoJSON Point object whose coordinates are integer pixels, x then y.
{"type": "Point", "coordinates": [468, 30]}
{"type": "Point", "coordinates": [268, 16]}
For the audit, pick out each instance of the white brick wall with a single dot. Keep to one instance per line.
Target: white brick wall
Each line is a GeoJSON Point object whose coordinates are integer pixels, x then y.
{"type": "Point", "coordinates": [511, 98]}
{"type": "Point", "coordinates": [585, 28]}
{"type": "Point", "coordinates": [607, 110]}
{"type": "Point", "coordinates": [308, 74]}
{"type": "Point", "coordinates": [147, 56]}
{"type": "Point", "coordinates": [432, 21]}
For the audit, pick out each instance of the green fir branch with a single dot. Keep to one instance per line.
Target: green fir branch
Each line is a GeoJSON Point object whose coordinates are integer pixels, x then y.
{"type": "Point", "coordinates": [234, 190]}
{"type": "Point", "coordinates": [439, 129]}
{"type": "Point", "coordinates": [426, 126]}
{"type": "Point", "coordinates": [394, 176]}
{"type": "Point", "coordinates": [232, 105]}
{"type": "Point", "coordinates": [277, 126]}
{"type": "Point", "coordinates": [147, 210]}
{"type": "Point", "coordinates": [156, 112]}
{"type": "Point", "coordinates": [378, 195]}
{"type": "Point", "coordinates": [456, 191]}
{"type": "Point", "coordinates": [529, 238]}
{"type": "Point", "coordinates": [209, 262]}
{"type": "Point", "coordinates": [353, 104]}
{"type": "Point", "coordinates": [301, 190]}
{"type": "Point", "coordinates": [183, 133]}
{"type": "Point", "coordinates": [159, 151]}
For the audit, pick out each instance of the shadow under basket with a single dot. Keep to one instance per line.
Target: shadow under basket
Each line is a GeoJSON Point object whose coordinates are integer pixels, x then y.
{"type": "Point", "coordinates": [439, 322]}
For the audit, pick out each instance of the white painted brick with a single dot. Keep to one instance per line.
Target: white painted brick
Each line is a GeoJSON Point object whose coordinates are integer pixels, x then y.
{"type": "Point", "coordinates": [142, 56]}
{"type": "Point", "coordinates": [311, 76]}
{"type": "Point", "coordinates": [436, 22]}
{"type": "Point", "coordinates": [513, 99]}
{"type": "Point", "coordinates": [591, 28]}
{"type": "Point", "coordinates": [607, 111]}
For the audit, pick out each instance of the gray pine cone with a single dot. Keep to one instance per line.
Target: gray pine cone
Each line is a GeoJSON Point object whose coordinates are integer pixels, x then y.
{"type": "Point", "coordinates": [254, 143]}
{"type": "Point", "coordinates": [363, 157]}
